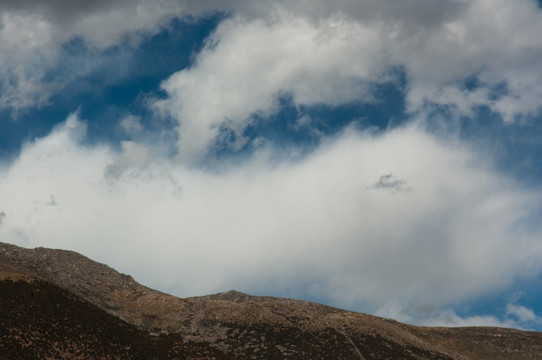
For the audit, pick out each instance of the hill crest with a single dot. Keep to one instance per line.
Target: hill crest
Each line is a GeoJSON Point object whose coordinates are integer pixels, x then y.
{"type": "Point", "coordinates": [251, 327]}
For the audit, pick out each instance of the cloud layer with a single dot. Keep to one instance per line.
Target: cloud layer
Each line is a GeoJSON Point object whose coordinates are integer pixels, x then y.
{"type": "Point", "coordinates": [319, 226]}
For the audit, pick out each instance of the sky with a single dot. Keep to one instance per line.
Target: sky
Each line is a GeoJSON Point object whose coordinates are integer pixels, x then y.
{"type": "Point", "coordinates": [379, 156]}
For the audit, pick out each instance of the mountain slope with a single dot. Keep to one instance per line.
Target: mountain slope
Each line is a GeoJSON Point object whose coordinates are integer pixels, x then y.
{"type": "Point", "coordinates": [248, 327]}
{"type": "Point", "coordinates": [39, 320]}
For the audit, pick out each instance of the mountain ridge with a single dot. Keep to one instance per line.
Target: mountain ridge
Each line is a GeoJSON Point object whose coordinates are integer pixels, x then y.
{"type": "Point", "coordinates": [250, 327]}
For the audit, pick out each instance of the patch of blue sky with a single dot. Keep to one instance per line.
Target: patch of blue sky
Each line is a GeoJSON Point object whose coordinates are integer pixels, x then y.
{"type": "Point", "coordinates": [514, 148]}
{"type": "Point", "coordinates": [304, 126]}
{"type": "Point", "coordinates": [523, 292]}
{"type": "Point", "coordinates": [496, 91]}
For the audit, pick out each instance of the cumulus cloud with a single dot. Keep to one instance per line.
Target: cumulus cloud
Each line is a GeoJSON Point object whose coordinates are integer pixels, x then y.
{"type": "Point", "coordinates": [32, 34]}
{"type": "Point", "coordinates": [479, 43]}
{"type": "Point", "coordinates": [332, 56]}
{"type": "Point", "coordinates": [24, 46]}
{"type": "Point", "coordinates": [131, 125]}
{"type": "Point", "coordinates": [312, 227]}
{"type": "Point", "coordinates": [318, 52]}
{"type": "Point", "coordinates": [248, 64]}
{"type": "Point", "coordinates": [521, 313]}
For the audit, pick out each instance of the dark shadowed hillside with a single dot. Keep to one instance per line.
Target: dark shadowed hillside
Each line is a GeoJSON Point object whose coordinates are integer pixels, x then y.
{"type": "Point", "coordinates": [40, 320]}
{"type": "Point", "coordinates": [62, 305]}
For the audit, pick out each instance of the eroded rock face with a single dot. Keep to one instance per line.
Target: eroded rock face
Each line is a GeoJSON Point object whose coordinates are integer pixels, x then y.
{"type": "Point", "coordinates": [248, 327]}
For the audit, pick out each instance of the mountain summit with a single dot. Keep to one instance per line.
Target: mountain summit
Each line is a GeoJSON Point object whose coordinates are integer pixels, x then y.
{"type": "Point", "coordinates": [60, 304]}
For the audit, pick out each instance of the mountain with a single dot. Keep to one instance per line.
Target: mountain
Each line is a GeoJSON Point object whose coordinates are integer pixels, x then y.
{"type": "Point", "coordinates": [59, 304]}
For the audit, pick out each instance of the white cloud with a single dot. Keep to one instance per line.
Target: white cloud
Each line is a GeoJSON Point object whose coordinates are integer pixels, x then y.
{"type": "Point", "coordinates": [133, 157]}
{"type": "Point", "coordinates": [521, 312]}
{"type": "Point", "coordinates": [32, 33]}
{"type": "Point", "coordinates": [311, 227]}
{"type": "Point", "coordinates": [24, 47]}
{"type": "Point", "coordinates": [515, 316]}
{"type": "Point", "coordinates": [449, 318]}
{"type": "Point", "coordinates": [247, 65]}
{"type": "Point", "coordinates": [333, 56]}
{"type": "Point", "coordinates": [493, 41]}
{"type": "Point", "coordinates": [131, 125]}
{"type": "Point", "coordinates": [428, 315]}
{"type": "Point", "coordinates": [319, 52]}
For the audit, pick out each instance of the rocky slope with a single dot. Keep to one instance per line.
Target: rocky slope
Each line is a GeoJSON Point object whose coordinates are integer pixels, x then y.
{"type": "Point", "coordinates": [42, 321]}
{"type": "Point", "coordinates": [247, 327]}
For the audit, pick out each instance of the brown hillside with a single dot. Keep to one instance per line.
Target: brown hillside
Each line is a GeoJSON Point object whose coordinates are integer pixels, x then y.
{"type": "Point", "coordinates": [248, 327]}
{"type": "Point", "coordinates": [39, 320]}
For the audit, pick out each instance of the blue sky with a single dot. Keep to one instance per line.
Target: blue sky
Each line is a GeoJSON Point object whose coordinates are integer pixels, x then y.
{"type": "Point", "coordinates": [378, 156]}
